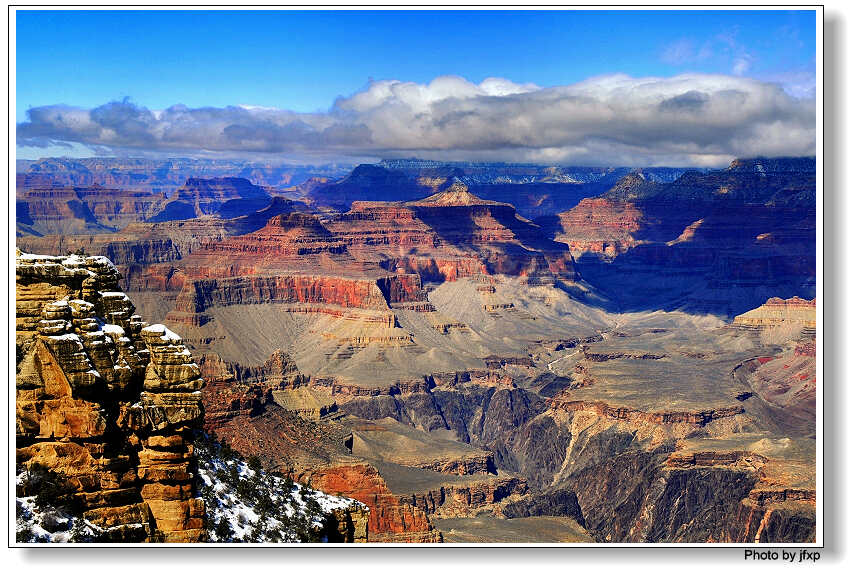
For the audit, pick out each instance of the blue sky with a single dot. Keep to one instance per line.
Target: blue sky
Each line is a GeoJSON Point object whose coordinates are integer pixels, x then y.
{"type": "Point", "coordinates": [303, 61]}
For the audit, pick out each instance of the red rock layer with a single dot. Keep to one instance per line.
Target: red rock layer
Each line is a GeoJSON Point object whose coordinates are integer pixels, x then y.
{"type": "Point", "coordinates": [450, 235]}
{"type": "Point", "coordinates": [600, 226]}
{"type": "Point", "coordinates": [389, 520]}
{"type": "Point", "coordinates": [290, 235]}
{"type": "Point", "coordinates": [88, 209]}
{"type": "Point", "coordinates": [199, 295]}
{"type": "Point", "coordinates": [232, 389]}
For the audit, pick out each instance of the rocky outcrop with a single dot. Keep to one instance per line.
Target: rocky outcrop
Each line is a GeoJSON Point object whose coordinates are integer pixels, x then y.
{"type": "Point", "coordinates": [290, 235]}
{"type": "Point", "coordinates": [349, 525]}
{"type": "Point", "coordinates": [105, 400]}
{"type": "Point", "coordinates": [233, 389]}
{"type": "Point", "coordinates": [699, 418]}
{"type": "Point", "coordinates": [600, 226]}
{"type": "Point", "coordinates": [499, 362]}
{"type": "Point", "coordinates": [779, 312]}
{"type": "Point", "coordinates": [470, 499]}
{"type": "Point", "coordinates": [450, 235]}
{"type": "Point", "coordinates": [224, 400]}
{"type": "Point", "coordinates": [389, 519]}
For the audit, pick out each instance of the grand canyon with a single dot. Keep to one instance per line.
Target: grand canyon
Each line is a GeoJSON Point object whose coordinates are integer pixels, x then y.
{"type": "Point", "coordinates": [427, 277]}
{"type": "Point", "coordinates": [468, 352]}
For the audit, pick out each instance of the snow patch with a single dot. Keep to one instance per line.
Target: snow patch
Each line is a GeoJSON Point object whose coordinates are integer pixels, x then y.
{"type": "Point", "coordinates": [67, 336]}
{"type": "Point", "coordinates": [248, 505]}
{"type": "Point", "coordinates": [164, 332]}
{"type": "Point", "coordinates": [113, 330]}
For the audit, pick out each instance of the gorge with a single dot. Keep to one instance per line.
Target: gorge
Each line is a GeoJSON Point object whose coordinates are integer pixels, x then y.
{"type": "Point", "coordinates": [610, 356]}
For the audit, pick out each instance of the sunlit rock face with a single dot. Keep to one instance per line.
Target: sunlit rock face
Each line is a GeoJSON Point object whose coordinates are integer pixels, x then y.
{"type": "Point", "coordinates": [105, 400]}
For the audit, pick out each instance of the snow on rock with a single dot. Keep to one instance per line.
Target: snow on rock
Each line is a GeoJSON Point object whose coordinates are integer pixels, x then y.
{"type": "Point", "coordinates": [34, 257]}
{"type": "Point", "coordinates": [101, 261]}
{"type": "Point", "coordinates": [70, 336]}
{"type": "Point", "coordinates": [165, 333]}
{"type": "Point", "coordinates": [113, 330]}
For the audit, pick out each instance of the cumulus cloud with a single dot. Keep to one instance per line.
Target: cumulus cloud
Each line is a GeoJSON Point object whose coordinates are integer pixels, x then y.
{"type": "Point", "coordinates": [687, 119]}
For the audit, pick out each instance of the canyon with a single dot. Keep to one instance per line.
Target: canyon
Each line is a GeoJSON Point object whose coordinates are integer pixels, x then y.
{"type": "Point", "coordinates": [629, 357]}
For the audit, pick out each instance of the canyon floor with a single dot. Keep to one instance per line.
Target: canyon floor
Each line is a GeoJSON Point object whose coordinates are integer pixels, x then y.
{"type": "Point", "coordinates": [507, 413]}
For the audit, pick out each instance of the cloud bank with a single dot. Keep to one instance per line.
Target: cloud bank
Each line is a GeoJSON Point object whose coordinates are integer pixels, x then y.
{"type": "Point", "coordinates": [688, 119]}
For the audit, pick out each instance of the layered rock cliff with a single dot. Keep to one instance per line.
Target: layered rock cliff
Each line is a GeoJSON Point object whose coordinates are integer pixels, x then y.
{"type": "Point", "coordinates": [42, 211]}
{"type": "Point", "coordinates": [776, 312]}
{"type": "Point", "coordinates": [449, 235]}
{"type": "Point", "coordinates": [748, 229]}
{"type": "Point", "coordinates": [105, 400]}
{"type": "Point", "coordinates": [226, 197]}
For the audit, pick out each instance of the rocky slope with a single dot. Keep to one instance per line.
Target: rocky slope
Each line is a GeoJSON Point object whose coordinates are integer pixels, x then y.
{"type": "Point", "coordinates": [250, 505]}
{"type": "Point", "coordinates": [313, 453]}
{"type": "Point", "coordinates": [788, 381]}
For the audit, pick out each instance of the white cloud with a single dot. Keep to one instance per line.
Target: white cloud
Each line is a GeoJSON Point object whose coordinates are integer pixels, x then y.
{"type": "Point", "coordinates": [687, 119]}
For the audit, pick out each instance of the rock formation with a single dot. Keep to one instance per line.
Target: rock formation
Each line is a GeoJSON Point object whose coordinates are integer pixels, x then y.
{"type": "Point", "coordinates": [389, 519]}
{"type": "Point", "coordinates": [81, 210]}
{"type": "Point", "coordinates": [105, 399]}
{"type": "Point", "coordinates": [226, 197]}
{"type": "Point", "coordinates": [750, 226]}
{"type": "Point", "coordinates": [449, 235]}
{"type": "Point", "coordinates": [367, 181]}
{"type": "Point", "coordinates": [778, 312]}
